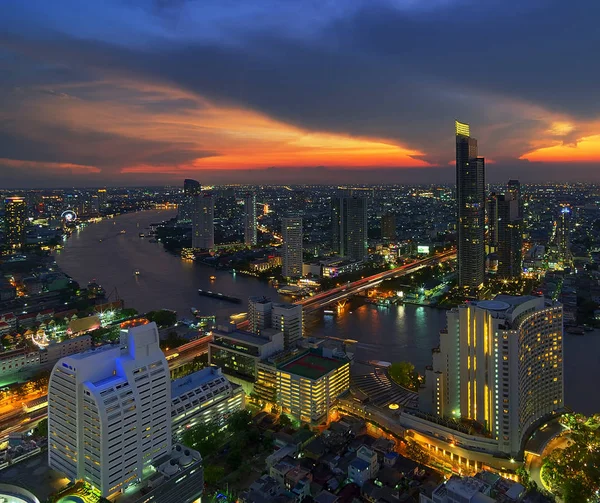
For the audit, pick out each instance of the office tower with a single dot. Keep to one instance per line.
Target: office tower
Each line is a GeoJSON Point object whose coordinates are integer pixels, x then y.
{"type": "Point", "coordinates": [388, 228]}
{"type": "Point", "coordinates": [259, 313]}
{"type": "Point", "coordinates": [191, 191]}
{"type": "Point", "coordinates": [499, 363]}
{"type": "Point", "coordinates": [291, 230]}
{"type": "Point", "coordinates": [203, 225]}
{"type": "Point", "coordinates": [563, 236]}
{"type": "Point", "coordinates": [514, 191]}
{"type": "Point", "coordinates": [287, 318]}
{"type": "Point", "coordinates": [109, 411]}
{"type": "Point", "coordinates": [492, 222]}
{"type": "Point", "coordinates": [470, 198]}
{"type": "Point", "coordinates": [102, 199]}
{"type": "Point", "coordinates": [250, 219]}
{"type": "Point", "coordinates": [15, 219]}
{"type": "Point", "coordinates": [349, 225]}
{"type": "Point", "coordinates": [509, 232]}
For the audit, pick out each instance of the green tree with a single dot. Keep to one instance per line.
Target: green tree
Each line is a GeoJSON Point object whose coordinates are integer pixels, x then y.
{"type": "Point", "coordinates": [239, 421]}
{"type": "Point", "coordinates": [523, 476]}
{"type": "Point", "coordinates": [213, 474]}
{"type": "Point", "coordinates": [173, 340]}
{"type": "Point", "coordinates": [41, 430]}
{"type": "Point", "coordinates": [404, 374]}
{"type": "Point", "coordinates": [163, 318]}
{"type": "Point", "coordinates": [285, 421]}
{"type": "Point", "coordinates": [234, 458]}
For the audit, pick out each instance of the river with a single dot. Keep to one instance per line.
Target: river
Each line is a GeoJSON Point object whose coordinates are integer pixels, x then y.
{"type": "Point", "coordinates": [101, 252]}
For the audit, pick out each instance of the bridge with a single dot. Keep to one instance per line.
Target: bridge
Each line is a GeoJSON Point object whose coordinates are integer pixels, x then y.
{"type": "Point", "coordinates": [341, 293]}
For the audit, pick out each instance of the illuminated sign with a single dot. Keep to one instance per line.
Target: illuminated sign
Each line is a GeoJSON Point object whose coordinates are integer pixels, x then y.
{"type": "Point", "coordinates": [424, 249]}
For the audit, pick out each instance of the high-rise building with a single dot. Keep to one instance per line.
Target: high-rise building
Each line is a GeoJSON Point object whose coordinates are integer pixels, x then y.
{"type": "Point", "coordinates": [291, 230]}
{"type": "Point", "coordinates": [109, 411]}
{"type": "Point", "coordinates": [102, 199]}
{"type": "Point", "coordinates": [492, 222]}
{"type": "Point", "coordinates": [349, 225]}
{"type": "Point", "coordinates": [259, 313]}
{"type": "Point", "coordinates": [563, 236]}
{"type": "Point", "coordinates": [514, 191]}
{"type": "Point", "coordinates": [470, 198]}
{"type": "Point", "coordinates": [287, 318]}
{"type": "Point", "coordinates": [15, 220]}
{"type": "Point", "coordinates": [499, 363]}
{"type": "Point", "coordinates": [388, 228]}
{"type": "Point", "coordinates": [191, 190]}
{"type": "Point", "coordinates": [509, 232]}
{"type": "Point", "coordinates": [203, 223]}
{"type": "Point", "coordinates": [250, 219]}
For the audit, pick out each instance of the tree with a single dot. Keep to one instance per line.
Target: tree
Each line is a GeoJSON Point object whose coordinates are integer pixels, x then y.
{"type": "Point", "coordinates": [163, 318]}
{"type": "Point", "coordinates": [523, 476]}
{"type": "Point", "coordinates": [239, 421]}
{"type": "Point", "coordinates": [172, 341]}
{"type": "Point", "coordinates": [285, 421]}
{"type": "Point", "coordinates": [41, 430]}
{"type": "Point", "coordinates": [213, 474]}
{"type": "Point", "coordinates": [235, 458]}
{"type": "Point", "coordinates": [203, 438]}
{"type": "Point", "coordinates": [404, 374]}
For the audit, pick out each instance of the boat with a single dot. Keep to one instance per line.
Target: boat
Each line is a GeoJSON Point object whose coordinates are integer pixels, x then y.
{"type": "Point", "coordinates": [329, 312]}
{"type": "Point", "coordinates": [212, 278]}
{"type": "Point", "coordinates": [194, 311]}
{"type": "Point", "coordinates": [574, 330]}
{"type": "Point", "coordinates": [142, 235]}
{"type": "Point", "coordinates": [220, 296]}
{"type": "Point", "coordinates": [136, 272]}
{"type": "Point", "coordinates": [123, 231]}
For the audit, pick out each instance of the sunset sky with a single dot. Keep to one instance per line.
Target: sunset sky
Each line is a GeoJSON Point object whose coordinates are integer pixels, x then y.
{"type": "Point", "coordinates": [139, 92]}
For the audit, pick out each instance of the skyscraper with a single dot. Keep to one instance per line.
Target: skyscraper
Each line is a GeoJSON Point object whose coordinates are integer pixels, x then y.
{"type": "Point", "coordinates": [287, 318]}
{"type": "Point", "coordinates": [563, 236]}
{"type": "Point", "coordinates": [388, 228]}
{"type": "Point", "coordinates": [499, 363]}
{"type": "Point", "coordinates": [109, 411]}
{"type": "Point", "coordinates": [509, 232]}
{"type": "Point", "coordinates": [250, 219]}
{"type": "Point", "coordinates": [259, 313]}
{"type": "Point", "coordinates": [203, 224]}
{"type": "Point", "coordinates": [291, 230]}
{"type": "Point", "coordinates": [349, 226]}
{"type": "Point", "coordinates": [102, 199]}
{"type": "Point", "coordinates": [15, 219]}
{"type": "Point", "coordinates": [191, 190]}
{"type": "Point", "coordinates": [470, 198]}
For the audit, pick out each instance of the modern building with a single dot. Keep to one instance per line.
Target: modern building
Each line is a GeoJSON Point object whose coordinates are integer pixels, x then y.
{"type": "Point", "coordinates": [499, 363]}
{"type": "Point", "coordinates": [102, 199]}
{"type": "Point", "coordinates": [191, 190]}
{"type": "Point", "coordinates": [203, 222]}
{"type": "Point", "coordinates": [350, 226]}
{"type": "Point", "coordinates": [563, 236]}
{"type": "Point", "coordinates": [492, 222]}
{"type": "Point", "coordinates": [15, 220]}
{"type": "Point", "coordinates": [388, 228]}
{"type": "Point", "coordinates": [287, 318]}
{"type": "Point", "coordinates": [510, 234]}
{"type": "Point", "coordinates": [260, 313]}
{"type": "Point", "coordinates": [109, 412]}
{"type": "Point", "coordinates": [485, 487]}
{"type": "Point", "coordinates": [250, 219]}
{"type": "Point", "coordinates": [291, 230]}
{"type": "Point", "coordinates": [237, 353]}
{"type": "Point", "coordinates": [470, 199]}
{"type": "Point", "coordinates": [204, 397]}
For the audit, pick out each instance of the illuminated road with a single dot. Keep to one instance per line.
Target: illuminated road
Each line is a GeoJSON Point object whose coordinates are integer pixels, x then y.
{"type": "Point", "coordinates": [322, 299]}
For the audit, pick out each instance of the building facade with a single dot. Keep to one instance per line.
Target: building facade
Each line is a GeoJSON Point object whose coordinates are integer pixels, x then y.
{"type": "Point", "coordinates": [109, 411]}
{"type": "Point", "coordinates": [191, 190]}
{"type": "Point", "coordinates": [259, 314]}
{"type": "Point", "coordinates": [470, 199]}
{"type": "Point", "coordinates": [509, 231]}
{"type": "Point", "coordinates": [15, 220]}
{"type": "Point", "coordinates": [250, 230]}
{"type": "Point", "coordinates": [287, 318]}
{"type": "Point", "coordinates": [388, 228]}
{"type": "Point", "coordinates": [499, 363]}
{"type": "Point", "coordinates": [203, 222]}
{"type": "Point", "coordinates": [350, 226]}
{"type": "Point", "coordinates": [291, 230]}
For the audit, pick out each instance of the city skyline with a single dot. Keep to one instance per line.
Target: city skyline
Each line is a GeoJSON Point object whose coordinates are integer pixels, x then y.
{"type": "Point", "coordinates": [106, 95]}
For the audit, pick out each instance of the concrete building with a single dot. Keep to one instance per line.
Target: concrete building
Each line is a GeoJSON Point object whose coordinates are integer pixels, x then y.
{"type": "Point", "coordinates": [15, 221]}
{"type": "Point", "coordinates": [259, 313]}
{"type": "Point", "coordinates": [509, 232]}
{"type": "Point", "coordinates": [237, 353]}
{"type": "Point", "coordinates": [350, 225]}
{"type": "Point", "coordinates": [388, 228]}
{"type": "Point", "coordinates": [499, 363]}
{"type": "Point", "coordinates": [291, 230]}
{"type": "Point", "coordinates": [287, 318]}
{"type": "Point", "coordinates": [250, 219]}
{"type": "Point", "coordinates": [485, 487]}
{"type": "Point", "coordinates": [191, 190]}
{"type": "Point", "coordinates": [204, 397]}
{"type": "Point", "coordinates": [109, 411]}
{"type": "Point", "coordinates": [470, 199]}
{"type": "Point", "coordinates": [364, 467]}
{"type": "Point", "coordinates": [203, 222]}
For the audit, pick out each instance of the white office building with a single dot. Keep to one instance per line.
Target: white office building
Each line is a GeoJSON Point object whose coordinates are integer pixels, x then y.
{"type": "Point", "coordinates": [109, 411]}
{"type": "Point", "coordinates": [203, 222]}
{"type": "Point", "coordinates": [259, 313]}
{"type": "Point", "coordinates": [287, 318]}
{"type": "Point", "coordinates": [291, 230]}
{"type": "Point", "coordinates": [250, 219]}
{"type": "Point", "coordinates": [500, 363]}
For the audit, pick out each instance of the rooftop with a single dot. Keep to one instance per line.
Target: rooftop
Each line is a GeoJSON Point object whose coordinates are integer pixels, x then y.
{"type": "Point", "coordinates": [248, 337]}
{"type": "Point", "coordinates": [185, 384]}
{"type": "Point", "coordinates": [312, 366]}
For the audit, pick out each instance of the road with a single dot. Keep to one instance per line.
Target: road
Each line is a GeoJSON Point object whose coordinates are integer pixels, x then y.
{"type": "Point", "coordinates": [534, 463]}
{"type": "Point", "coordinates": [322, 299]}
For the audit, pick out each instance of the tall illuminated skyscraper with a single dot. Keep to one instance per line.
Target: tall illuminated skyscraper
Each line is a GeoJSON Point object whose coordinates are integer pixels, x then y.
{"type": "Point", "coordinates": [500, 363]}
{"type": "Point", "coordinates": [191, 190]}
{"type": "Point", "coordinates": [509, 225]}
{"type": "Point", "coordinates": [349, 225]}
{"type": "Point", "coordinates": [250, 219]}
{"type": "Point", "coordinates": [15, 219]}
{"type": "Point", "coordinates": [109, 411]}
{"type": "Point", "coordinates": [203, 222]}
{"type": "Point", "coordinates": [563, 235]}
{"type": "Point", "coordinates": [470, 199]}
{"type": "Point", "coordinates": [291, 230]}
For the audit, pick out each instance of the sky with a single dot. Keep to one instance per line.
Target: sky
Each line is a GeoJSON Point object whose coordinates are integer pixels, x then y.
{"type": "Point", "coordinates": [142, 92]}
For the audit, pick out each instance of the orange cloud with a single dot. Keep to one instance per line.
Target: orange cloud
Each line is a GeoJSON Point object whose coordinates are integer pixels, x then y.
{"type": "Point", "coordinates": [74, 168]}
{"type": "Point", "coordinates": [586, 149]}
